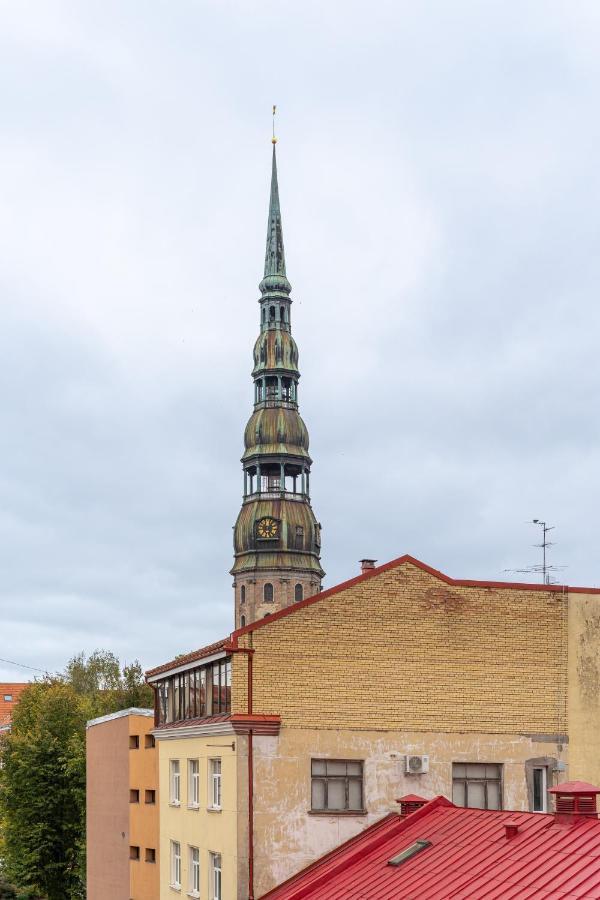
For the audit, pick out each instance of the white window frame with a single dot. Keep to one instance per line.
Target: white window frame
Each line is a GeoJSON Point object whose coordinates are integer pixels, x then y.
{"type": "Point", "coordinates": [174, 782]}
{"type": "Point", "coordinates": [216, 877]}
{"type": "Point", "coordinates": [193, 783]}
{"type": "Point", "coordinates": [215, 783]}
{"type": "Point", "coordinates": [544, 771]}
{"type": "Point", "coordinates": [194, 861]}
{"type": "Point", "coordinates": [175, 865]}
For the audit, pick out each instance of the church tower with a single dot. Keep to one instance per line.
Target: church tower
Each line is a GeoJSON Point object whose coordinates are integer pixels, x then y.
{"type": "Point", "coordinates": [277, 539]}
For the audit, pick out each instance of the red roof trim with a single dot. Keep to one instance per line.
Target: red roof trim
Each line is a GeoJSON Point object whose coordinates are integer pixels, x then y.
{"type": "Point", "coordinates": [394, 564]}
{"type": "Point", "coordinates": [188, 658]}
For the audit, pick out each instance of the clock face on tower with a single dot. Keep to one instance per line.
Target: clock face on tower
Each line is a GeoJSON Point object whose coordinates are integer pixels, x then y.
{"type": "Point", "coordinates": [267, 529]}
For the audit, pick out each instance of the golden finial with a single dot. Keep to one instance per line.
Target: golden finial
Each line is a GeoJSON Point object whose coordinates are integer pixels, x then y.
{"type": "Point", "coordinates": [274, 139]}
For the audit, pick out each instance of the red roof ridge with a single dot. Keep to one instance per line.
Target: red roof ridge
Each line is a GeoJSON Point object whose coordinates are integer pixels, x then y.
{"type": "Point", "coordinates": [394, 564]}
{"type": "Point", "coordinates": [232, 641]}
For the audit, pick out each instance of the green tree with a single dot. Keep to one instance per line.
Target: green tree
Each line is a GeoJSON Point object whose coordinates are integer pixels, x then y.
{"type": "Point", "coordinates": [42, 790]}
{"type": "Point", "coordinates": [42, 773]}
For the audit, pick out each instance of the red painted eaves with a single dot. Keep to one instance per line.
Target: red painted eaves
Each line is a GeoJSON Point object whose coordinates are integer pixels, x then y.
{"type": "Point", "coordinates": [394, 564]}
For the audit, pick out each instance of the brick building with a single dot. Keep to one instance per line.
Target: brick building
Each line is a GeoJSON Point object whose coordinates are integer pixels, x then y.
{"type": "Point", "coordinates": [10, 691]}
{"type": "Point", "coordinates": [400, 680]}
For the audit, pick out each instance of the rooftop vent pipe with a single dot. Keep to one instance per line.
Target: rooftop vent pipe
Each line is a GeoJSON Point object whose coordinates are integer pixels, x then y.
{"type": "Point", "coordinates": [409, 803]}
{"type": "Point", "coordinates": [366, 564]}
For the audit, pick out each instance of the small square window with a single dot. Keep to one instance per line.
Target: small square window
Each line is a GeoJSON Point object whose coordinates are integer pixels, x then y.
{"type": "Point", "coordinates": [150, 796]}
{"type": "Point", "coordinates": [8, 698]}
{"type": "Point", "coordinates": [134, 742]}
{"type": "Point", "coordinates": [134, 795]}
{"type": "Point", "coordinates": [149, 741]}
{"type": "Point", "coordinates": [150, 855]}
{"type": "Point", "coordinates": [134, 852]}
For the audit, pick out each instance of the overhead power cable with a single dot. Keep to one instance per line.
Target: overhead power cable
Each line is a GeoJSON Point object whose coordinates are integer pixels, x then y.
{"type": "Point", "coordinates": [11, 662]}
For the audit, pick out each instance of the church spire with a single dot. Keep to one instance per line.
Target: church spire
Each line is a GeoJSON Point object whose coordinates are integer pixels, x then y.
{"type": "Point", "coordinates": [277, 539]}
{"type": "Point", "coordinates": [275, 255]}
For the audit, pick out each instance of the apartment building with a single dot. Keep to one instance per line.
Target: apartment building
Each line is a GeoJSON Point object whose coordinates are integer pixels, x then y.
{"type": "Point", "coordinates": [10, 691]}
{"type": "Point", "coordinates": [402, 680]}
{"type": "Point", "coordinates": [122, 807]}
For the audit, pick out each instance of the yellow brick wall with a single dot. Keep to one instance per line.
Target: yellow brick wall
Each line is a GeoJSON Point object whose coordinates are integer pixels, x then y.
{"type": "Point", "coordinates": [404, 650]}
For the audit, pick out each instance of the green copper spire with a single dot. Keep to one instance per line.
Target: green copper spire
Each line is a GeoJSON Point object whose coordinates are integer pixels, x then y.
{"type": "Point", "coordinates": [275, 276]}
{"type": "Point", "coordinates": [275, 255]}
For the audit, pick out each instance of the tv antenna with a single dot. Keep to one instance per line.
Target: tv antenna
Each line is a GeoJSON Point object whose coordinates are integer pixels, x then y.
{"type": "Point", "coordinates": [545, 570]}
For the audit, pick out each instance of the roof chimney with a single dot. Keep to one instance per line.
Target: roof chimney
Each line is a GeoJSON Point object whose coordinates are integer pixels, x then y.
{"type": "Point", "coordinates": [366, 564]}
{"type": "Point", "coordinates": [575, 799]}
{"type": "Point", "coordinates": [511, 828]}
{"type": "Point", "coordinates": [409, 803]}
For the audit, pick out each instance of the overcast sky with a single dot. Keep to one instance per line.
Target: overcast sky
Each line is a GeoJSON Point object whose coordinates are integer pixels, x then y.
{"type": "Point", "coordinates": [438, 170]}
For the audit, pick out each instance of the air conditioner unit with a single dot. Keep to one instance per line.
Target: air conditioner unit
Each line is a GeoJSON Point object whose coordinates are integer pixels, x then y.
{"type": "Point", "coordinates": [417, 765]}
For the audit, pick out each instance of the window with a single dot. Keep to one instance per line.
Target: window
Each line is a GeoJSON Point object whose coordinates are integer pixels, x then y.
{"type": "Point", "coordinates": [134, 742]}
{"type": "Point", "coordinates": [134, 796]}
{"type": "Point", "coordinates": [194, 872]}
{"type": "Point", "coordinates": [215, 876]}
{"type": "Point", "coordinates": [299, 544]}
{"type": "Point", "coordinates": [175, 783]}
{"type": "Point", "coordinates": [176, 864]}
{"type": "Point", "coordinates": [242, 621]}
{"type": "Point", "coordinates": [150, 855]}
{"type": "Point", "coordinates": [337, 784]}
{"type": "Point", "coordinates": [134, 853]}
{"type": "Point", "coordinates": [540, 786]}
{"type": "Point", "coordinates": [150, 796]}
{"type": "Point", "coordinates": [298, 593]}
{"type": "Point", "coordinates": [268, 593]}
{"type": "Point", "coordinates": [195, 693]}
{"type": "Point", "coordinates": [149, 742]}
{"type": "Point", "coordinates": [243, 594]}
{"type": "Point", "coordinates": [193, 783]}
{"type": "Point", "coordinates": [214, 788]}
{"type": "Point", "coordinates": [8, 698]}
{"type": "Point", "coordinates": [477, 785]}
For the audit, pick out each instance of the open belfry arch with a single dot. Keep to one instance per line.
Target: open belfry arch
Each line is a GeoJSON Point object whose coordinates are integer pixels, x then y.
{"type": "Point", "coordinates": [277, 539]}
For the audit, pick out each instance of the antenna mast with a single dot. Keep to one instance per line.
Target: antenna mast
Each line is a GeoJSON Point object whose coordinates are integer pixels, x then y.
{"type": "Point", "coordinates": [544, 570]}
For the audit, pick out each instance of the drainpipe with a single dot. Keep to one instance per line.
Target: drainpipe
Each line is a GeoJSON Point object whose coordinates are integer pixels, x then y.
{"type": "Point", "coordinates": [250, 653]}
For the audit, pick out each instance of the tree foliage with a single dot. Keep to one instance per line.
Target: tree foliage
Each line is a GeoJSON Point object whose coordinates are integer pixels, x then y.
{"type": "Point", "coordinates": [42, 773]}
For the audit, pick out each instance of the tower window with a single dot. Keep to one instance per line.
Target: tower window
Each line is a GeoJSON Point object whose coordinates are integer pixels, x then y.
{"type": "Point", "coordinates": [271, 313]}
{"type": "Point", "coordinates": [299, 544]}
{"type": "Point", "coordinates": [298, 593]}
{"type": "Point", "coordinates": [264, 314]}
{"type": "Point", "coordinates": [242, 621]}
{"type": "Point", "coordinates": [268, 592]}
{"type": "Point", "coordinates": [243, 594]}
{"type": "Point", "coordinates": [282, 313]}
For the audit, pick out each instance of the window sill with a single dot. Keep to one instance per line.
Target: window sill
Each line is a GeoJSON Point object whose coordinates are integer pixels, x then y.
{"type": "Point", "coordinates": [215, 809]}
{"type": "Point", "coordinates": [194, 894]}
{"type": "Point", "coordinates": [175, 887]}
{"type": "Point", "coordinates": [195, 806]}
{"type": "Point", "coordinates": [175, 803]}
{"type": "Point", "coordinates": [337, 812]}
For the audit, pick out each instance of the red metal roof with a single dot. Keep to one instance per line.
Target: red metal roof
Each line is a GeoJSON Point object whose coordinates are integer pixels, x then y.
{"type": "Point", "coordinates": [470, 857]}
{"type": "Point", "coordinates": [14, 691]}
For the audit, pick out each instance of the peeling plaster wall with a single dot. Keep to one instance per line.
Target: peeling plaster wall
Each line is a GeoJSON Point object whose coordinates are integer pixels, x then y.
{"type": "Point", "coordinates": [288, 837]}
{"type": "Point", "coordinates": [584, 687]}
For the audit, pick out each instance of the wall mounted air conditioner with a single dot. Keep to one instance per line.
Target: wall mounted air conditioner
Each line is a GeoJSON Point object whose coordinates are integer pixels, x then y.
{"type": "Point", "coordinates": [417, 765]}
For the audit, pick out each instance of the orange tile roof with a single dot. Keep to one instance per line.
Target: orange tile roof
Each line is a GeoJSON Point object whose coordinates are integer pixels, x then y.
{"type": "Point", "coordinates": [9, 689]}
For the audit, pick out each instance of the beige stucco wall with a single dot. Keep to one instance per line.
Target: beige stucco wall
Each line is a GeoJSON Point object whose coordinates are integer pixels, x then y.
{"type": "Point", "coordinates": [287, 837]}
{"type": "Point", "coordinates": [584, 687]}
{"type": "Point", "coordinates": [207, 830]}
